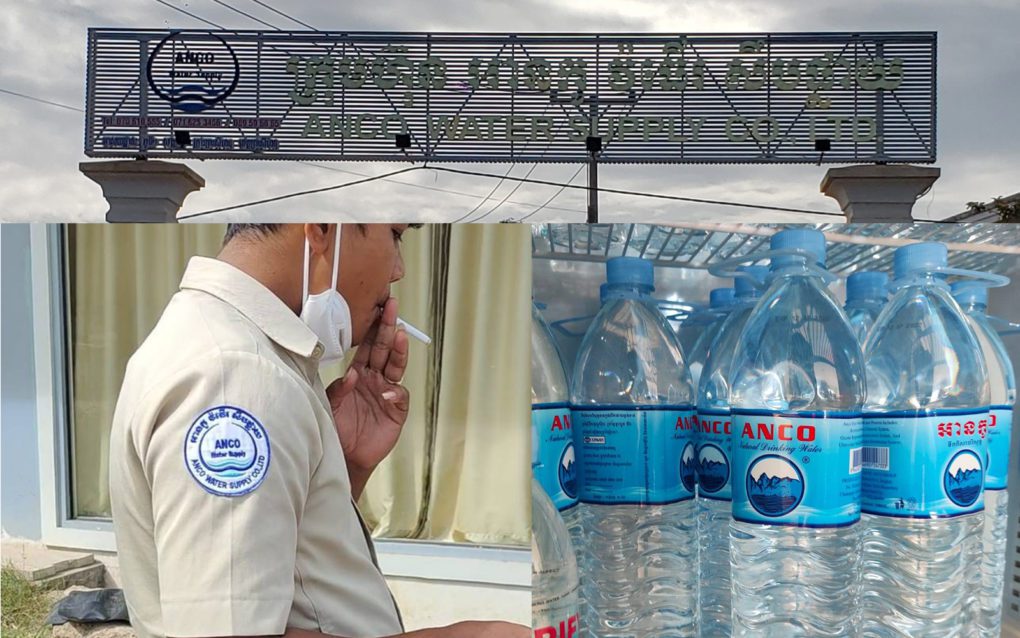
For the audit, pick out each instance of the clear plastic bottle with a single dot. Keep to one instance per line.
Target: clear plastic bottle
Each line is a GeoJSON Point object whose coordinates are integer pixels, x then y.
{"type": "Point", "coordinates": [721, 302]}
{"type": "Point", "coordinates": [973, 299]}
{"type": "Point", "coordinates": [866, 294]}
{"type": "Point", "coordinates": [633, 418]}
{"type": "Point", "coordinates": [556, 469]}
{"type": "Point", "coordinates": [554, 584]}
{"type": "Point", "coordinates": [924, 456]}
{"type": "Point", "coordinates": [713, 440]}
{"type": "Point", "coordinates": [796, 392]}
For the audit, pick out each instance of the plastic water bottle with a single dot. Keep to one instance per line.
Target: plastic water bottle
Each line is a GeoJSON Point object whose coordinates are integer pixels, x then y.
{"type": "Point", "coordinates": [554, 584]}
{"type": "Point", "coordinates": [721, 302]}
{"type": "Point", "coordinates": [866, 294]}
{"type": "Point", "coordinates": [796, 392]}
{"type": "Point", "coordinates": [713, 440]}
{"type": "Point", "coordinates": [973, 299]}
{"type": "Point", "coordinates": [924, 456]}
{"type": "Point", "coordinates": [556, 469]}
{"type": "Point", "coordinates": [633, 418]}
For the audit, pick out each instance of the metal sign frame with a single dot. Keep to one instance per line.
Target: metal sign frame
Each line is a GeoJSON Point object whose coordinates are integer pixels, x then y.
{"type": "Point", "coordinates": [455, 97]}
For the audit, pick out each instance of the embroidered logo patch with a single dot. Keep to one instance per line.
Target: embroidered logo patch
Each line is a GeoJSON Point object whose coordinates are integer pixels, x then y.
{"type": "Point", "coordinates": [227, 451]}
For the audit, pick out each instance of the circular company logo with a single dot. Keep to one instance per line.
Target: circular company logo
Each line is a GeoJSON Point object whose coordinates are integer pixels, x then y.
{"type": "Point", "coordinates": [963, 478]}
{"type": "Point", "coordinates": [567, 473]}
{"type": "Point", "coordinates": [193, 71]}
{"type": "Point", "coordinates": [688, 469]}
{"type": "Point", "coordinates": [713, 468]}
{"type": "Point", "coordinates": [775, 485]}
{"type": "Point", "coordinates": [227, 451]}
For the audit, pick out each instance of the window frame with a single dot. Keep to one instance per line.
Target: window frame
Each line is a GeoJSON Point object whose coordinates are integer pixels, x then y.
{"type": "Point", "coordinates": [427, 560]}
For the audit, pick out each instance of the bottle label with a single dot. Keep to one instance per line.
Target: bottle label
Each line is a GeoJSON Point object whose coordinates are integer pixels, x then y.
{"type": "Point", "coordinates": [713, 429]}
{"type": "Point", "coordinates": [925, 463]}
{"type": "Point", "coordinates": [641, 455]}
{"type": "Point", "coordinates": [1000, 427]}
{"type": "Point", "coordinates": [796, 468]}
{"type": "Point", "coordinates": [566, 627]}
{"type": "Point", "coordinates": [556, 470]}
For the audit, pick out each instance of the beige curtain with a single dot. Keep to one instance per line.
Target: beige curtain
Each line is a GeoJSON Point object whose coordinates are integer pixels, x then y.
{"type": "Point", "coordinates": [460, 471]}
{"type": "Point", "coordinates": [121, 277]}
{"type": "Point", "coordinates": [481, 461]}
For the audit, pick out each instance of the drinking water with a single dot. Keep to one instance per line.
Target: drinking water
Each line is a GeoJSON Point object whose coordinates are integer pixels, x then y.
{"type": "Point", "coordinates": [721, 301]}
{"type": "Point", "coordinates": [554, 584]}
{"type": "Point", "coordinates": [633, 419]}
{"type": "Point", "coordinates": [866, 294]}
{"type": "Point", "coordinates": [556, 470]}
{"type": "Point", "coordinates": [796, 391]}
{"type": "Point", "coordinates": [925, 420]}
{"type": "Point", "coordinates": [973, 299]}
{"type": "Point", "coordinates": [713, 441]}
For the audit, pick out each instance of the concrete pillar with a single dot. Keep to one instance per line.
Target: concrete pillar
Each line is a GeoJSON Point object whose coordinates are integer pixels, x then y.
{"type": "Point", "coordinates": [878, 192]}
{"type": "Point", "coordinates": [143, 190]}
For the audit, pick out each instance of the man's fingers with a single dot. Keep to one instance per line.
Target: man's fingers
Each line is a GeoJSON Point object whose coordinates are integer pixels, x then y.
{"type": "Point", "coordinates": [384, 337]}
{"type": "Point", "coordinates": [396, 365]}
{"type": "Point", "coordinates": [398, 396]}
{"type": "Point", "coordinates": [341, 387]}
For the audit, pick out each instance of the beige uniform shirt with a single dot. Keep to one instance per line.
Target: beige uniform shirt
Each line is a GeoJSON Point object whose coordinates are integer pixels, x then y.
{"type": "Point", "coordinates": [231, 500]}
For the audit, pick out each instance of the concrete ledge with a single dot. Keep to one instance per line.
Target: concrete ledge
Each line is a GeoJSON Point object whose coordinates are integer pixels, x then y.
{"type": "Point", "coordinates": [878, 193]}
{"type": "Point", "coordinates": [143, 190]}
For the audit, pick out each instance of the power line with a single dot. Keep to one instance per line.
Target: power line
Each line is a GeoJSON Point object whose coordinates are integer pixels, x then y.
{"type": "Point", "coordinates": [247, 15]}
{"type": "Point", "coordinates": [616, 191]}
{"type": "Point", "coordinates": [507, 196]}
{"type": "Point", "coordinates": [285, 15]}
{"type": "Point", "coordinates": [300, 193]}
{"type": "Point", "coordinates": [188, 13]}
{"type": "Point", "coordinates": [430, 188]}
{"type": "Point", "coordinates": [486, 198]}
{"type": "Point", "coordinates": [555, 195]}
{"type": "Point", "coordinates": [41, 100]}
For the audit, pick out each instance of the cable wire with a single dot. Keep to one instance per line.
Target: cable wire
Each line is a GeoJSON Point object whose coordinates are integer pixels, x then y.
{"type": "Point", "coordinates": [285, 15]}
{"type": "Point", "coordinates": [41, 100]}
{"type": "Point", "coordinates": [300, 193]}
{"type": "Point", "coordinates": [555, 195]}
{"type": "Point", "coordinates": [188, 13]}
{"type": "Point", "coordinates": [247, 15]}
{"type": "Point", "coordinates": [616, 191]}
{"type": "Point", "coordinates": [486, 198]}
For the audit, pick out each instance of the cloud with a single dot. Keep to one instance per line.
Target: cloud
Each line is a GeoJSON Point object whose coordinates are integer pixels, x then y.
{"type": "Point", "coordinates": [44, 52]}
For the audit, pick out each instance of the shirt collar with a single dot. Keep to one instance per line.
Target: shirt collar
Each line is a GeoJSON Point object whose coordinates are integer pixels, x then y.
{"type": "Point", "coordinates": [253, 300]}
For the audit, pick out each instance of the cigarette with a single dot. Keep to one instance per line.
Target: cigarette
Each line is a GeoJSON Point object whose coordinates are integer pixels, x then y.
{"type": "Point", "coordinates": [414, 332]}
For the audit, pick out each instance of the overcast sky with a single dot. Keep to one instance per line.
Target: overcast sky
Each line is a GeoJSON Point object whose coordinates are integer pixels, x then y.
{"type": "Point", "coordinates": [43, 54]}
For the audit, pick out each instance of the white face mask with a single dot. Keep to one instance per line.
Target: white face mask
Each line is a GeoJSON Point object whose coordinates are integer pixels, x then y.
{"type": "Point", "coordinates": [327, 312]}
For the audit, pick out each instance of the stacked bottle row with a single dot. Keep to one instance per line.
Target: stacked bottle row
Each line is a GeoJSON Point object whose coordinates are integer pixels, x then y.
{"type": "Point", "coordinates": [721, 493]}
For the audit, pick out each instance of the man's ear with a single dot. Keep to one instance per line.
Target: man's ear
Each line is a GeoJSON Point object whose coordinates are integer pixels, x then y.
{"type": "Point", "coordinates": [318, 237]}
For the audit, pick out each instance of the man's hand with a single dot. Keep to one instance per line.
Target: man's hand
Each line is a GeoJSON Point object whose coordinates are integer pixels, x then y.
{"type": "Point", "coordinates": [369, 404]}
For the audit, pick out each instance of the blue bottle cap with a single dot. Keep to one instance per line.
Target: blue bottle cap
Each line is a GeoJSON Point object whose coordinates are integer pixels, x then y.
{"type": "Point", "coordinates": [744, 286]}
{"type": "Point", "coordinates": [923, 256]}
{"type": "Point", "coordinates": [721, 297]}
{"type": "Point", "coordinates": [603, 289]}
{"type": "Point", "coordinates": [631, 271]}
{"type": "Point", "coordinates": [867, 284]}
{"type": "Point", "coordinates": [968, 292]}
{"type": "Point", "coordinates": [802, 238]}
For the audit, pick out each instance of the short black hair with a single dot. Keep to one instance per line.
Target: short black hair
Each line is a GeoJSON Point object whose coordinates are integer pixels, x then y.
{"type": "Point", "coordinates": [265, 230]}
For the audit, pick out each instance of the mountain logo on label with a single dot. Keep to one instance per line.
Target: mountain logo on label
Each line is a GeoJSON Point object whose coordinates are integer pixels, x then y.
{"type": "Point", "coordinates": [964, 478]}
{"type": "Point", "coordinates": [775, 485]}
{"type": "Point", "coordinates": [713, 468]}
{"type": "Point", "coordinates": [567, 473]}
{"type": "Point", "coordinates": [688, 467]}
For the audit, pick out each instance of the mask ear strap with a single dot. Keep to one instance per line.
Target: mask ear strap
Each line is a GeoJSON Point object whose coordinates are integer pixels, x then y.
{"type": "Point", "coordinates": [336, 257]}
{"type": "Point", "coordinates": [304, 277]}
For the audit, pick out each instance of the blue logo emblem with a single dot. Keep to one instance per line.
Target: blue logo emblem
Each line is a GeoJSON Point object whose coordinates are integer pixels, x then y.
{"type": "Point", "coordinates": [713, 468]}
{"type": "Point", "coordinates": [964, 478]}
{"type": "Point", "coordinates": [688, 467]}
{"type": "Point", "coordinates": [775, 485]}
{"type": "Point", "coordinates": [227, 451]}
{"type": "Point", "coordinates": [566, 472]}
{"type": "Point", "coordinates": [193, 72]}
